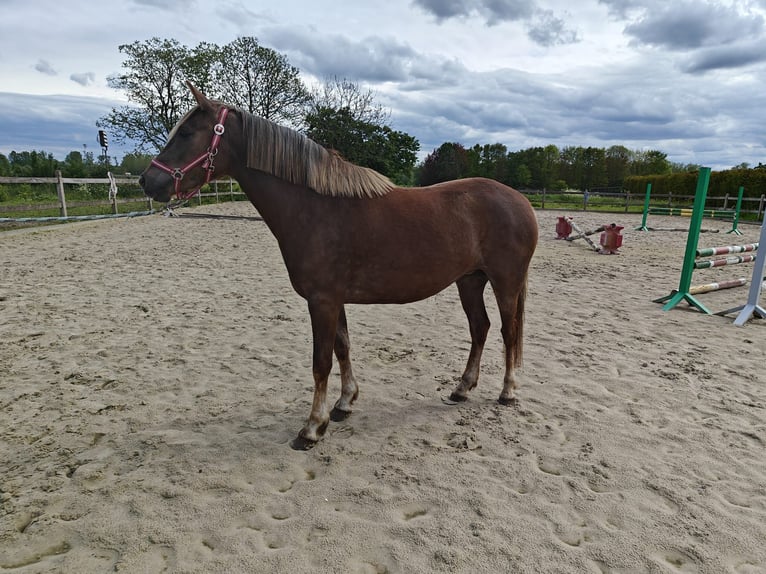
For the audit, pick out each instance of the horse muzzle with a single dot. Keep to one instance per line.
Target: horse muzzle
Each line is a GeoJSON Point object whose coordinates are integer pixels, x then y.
{"type": "Point", "coordinates": [158, 186]}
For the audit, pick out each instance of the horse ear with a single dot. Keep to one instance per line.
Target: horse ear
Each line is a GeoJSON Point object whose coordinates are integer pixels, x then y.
{"type": "Point", "coordinates": [202, 100]}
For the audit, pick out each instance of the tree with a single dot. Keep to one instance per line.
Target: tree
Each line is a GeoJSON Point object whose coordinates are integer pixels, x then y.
{"type": "Point", "coordinates": [344, 117]}
{"type": "Point", "coordinates": [5, 166]}
{"type": "Point", "coordinates": [343, 94]}
{"type": "Point", "coordinates": [260, 81]}
{"type": "Point", "coordinates": [387, 151]}
{"type": "Point", "coordinates": [594, 168]}
{"type": "Point", "coordinates": [73, 166]}
{"type": "Point", "coordinates": [135, 163]}
{"type": "Point", "coordinates": [155, 72]}
{"type": "Point", "coordinates": [450, 161]}
{"type": "Point", "coordinates": [651, 162]}
{"type": "Point", "coordinates": [32, 163]}
{"type": "Point", "coordinates": [489, 160]}
{"type": "Point", "coordinates": [618, 160]}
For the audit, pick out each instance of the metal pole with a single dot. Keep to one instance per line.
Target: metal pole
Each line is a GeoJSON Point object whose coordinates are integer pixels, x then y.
{"type": "Point", "coordinates": [646, 208]}
{"type": "Point", "coordinates": [682, 293]}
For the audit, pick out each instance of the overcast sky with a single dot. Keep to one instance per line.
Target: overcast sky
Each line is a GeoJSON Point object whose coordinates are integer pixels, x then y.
{"type": "Point", "coordinates": [686, 77]}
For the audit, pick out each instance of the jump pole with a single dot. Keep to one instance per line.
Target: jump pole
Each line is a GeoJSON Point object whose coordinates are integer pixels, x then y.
{"type": "Point", "coordinates": [708, 287]}
{"type": "Point", "coordinates": [684, 285]}
{"type": "Point", "coordinates": [582, 234]}
{"type": "Point", "coordinates": [751, 308]}
{"type": "Point", "coordinates": [735, 221]}
{"type": "Point", "coordinates": [648, 195]}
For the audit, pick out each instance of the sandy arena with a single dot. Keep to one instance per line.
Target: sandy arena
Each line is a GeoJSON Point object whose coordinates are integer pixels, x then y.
{"type": "Point", "coordinates": [154, 370]}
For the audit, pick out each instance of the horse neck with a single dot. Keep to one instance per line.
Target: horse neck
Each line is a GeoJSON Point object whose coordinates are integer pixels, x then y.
{"type": "Point", "coordinates": [279, 203]}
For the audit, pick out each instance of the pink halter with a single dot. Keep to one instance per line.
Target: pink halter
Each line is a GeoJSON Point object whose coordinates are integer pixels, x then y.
{"type": "Point", "coordinates": [206, 159]}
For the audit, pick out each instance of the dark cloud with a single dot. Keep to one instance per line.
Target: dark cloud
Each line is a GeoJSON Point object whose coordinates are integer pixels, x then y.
{"type": "Point", "coordinates": [544, 27]}
{"type": "Point", "coordinates": [690, 25]}
{"type": "Point", "coordinates": [84, 79]}
{"type": "Point", "coordinates": [493, 11]}
{"type": "Point", "coordinates": [725, 57]}
{"type": "Point", "coordinates": [44, 67]}
{"type": "Point", "coordinates": [372, 59]}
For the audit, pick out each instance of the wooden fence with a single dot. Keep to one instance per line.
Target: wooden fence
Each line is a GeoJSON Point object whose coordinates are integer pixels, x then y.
{"type": "Point", "coordinates": [623, 202]}
{"type": "Point", "coordinates": [214, 189]}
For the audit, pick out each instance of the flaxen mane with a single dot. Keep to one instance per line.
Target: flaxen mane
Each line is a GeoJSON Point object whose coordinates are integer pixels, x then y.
{"type": "Point", "coordinates": [293, 157]}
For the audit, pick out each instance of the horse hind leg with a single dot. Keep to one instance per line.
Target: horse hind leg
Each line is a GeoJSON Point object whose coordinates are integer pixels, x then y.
{"type": "Point", "coordinates": [471, 290]}
{"type": "Point", "coordinates": [510, 300]}
{"type": "Point", "coordinates": [349, 389]}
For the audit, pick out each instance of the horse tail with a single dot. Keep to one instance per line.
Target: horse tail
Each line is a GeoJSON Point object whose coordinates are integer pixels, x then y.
{"type": "Point", "coordinates": [517, 335]}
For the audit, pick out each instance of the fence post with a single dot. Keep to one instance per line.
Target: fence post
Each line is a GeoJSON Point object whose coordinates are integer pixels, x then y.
{"type": "Point", "coordinates": [692, 239]}
{"type": "Point", "coordinates": [543, 202]}
{"type": "Point", "coordinates": [60, 190]}
{"type": "Point", "coordinates": [735, 220]}
{"type": "Point", "coordinates": [760, 207]}
{"type": "Point", "coordinates": [647, 197]}
{"type": "Point", "coordinates": [112, 191]}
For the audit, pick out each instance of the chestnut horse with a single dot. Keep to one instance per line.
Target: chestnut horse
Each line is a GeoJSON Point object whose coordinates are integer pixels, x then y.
{"type": "Point", "coordinates": [348, 235]}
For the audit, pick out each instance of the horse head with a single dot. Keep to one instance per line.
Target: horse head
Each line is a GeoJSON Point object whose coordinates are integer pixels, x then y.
{"type": "Point", "coordinates": [190, 157]}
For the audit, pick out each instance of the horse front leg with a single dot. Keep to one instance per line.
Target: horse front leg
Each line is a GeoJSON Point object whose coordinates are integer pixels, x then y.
{"type": "Point", "coordinates": [349, 389]}
{"type": "Point", "coordinates": [324, 321]}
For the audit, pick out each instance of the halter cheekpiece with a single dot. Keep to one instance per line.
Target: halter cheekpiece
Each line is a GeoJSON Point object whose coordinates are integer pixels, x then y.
{"type": "Point", "coordinates": [206, 159]}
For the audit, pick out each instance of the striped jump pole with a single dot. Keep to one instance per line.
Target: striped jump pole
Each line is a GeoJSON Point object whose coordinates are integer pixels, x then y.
{"type": "Point", "coordinates": [733, 260]}
{"type": "Point", "coordinates": [708, 287]}
{"type": "Point", "coordinates": [582, 234]}
{"type": "Point", "coordinates": [711, 251]}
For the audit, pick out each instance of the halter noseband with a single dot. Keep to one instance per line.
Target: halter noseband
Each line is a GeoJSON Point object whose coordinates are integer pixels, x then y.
{"type": "Point", "coordinates": [206, 159]}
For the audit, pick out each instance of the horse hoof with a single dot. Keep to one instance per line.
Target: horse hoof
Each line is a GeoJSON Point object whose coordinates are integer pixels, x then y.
{"type": "Point", "coordinates": [458, 398]}
{"type": "Point", "coordinates": [507, 401]}
{"type": "Point", "coordinates": [301, 443]}
{"type": "Point", "coordinates": [337, 415]}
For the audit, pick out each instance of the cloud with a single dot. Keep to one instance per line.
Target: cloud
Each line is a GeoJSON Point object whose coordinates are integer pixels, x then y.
{"type": "Point", "coordinates": [692, 25]}
{"type": "Point", "coordinates": [44, 67]}
{"type": "Point", "coordinates": [169, 5]}
{"type": "Point", "coordinates": [550, 30]}
{"type": "Point", "coordinates": [725, 57]}
{"type": "Point", "coordinates": [544, 27]}
{"type": "Point", "coordinates": [373, 59]}
{"type": "Point", "coordinates": [621, 9]}
{"type": "Point", "coordinates": [493, 11]}
{"type": "Point", "coordinates": [84, 79]}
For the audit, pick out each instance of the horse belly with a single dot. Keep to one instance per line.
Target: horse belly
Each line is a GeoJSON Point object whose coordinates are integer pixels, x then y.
{"type": "Point", "coordinates": [407, 278]}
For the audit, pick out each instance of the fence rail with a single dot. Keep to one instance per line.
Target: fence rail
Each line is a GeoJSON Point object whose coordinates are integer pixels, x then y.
{"type": "Point", "coordinates": [615, 202]}
{"type": "Point", "coordinates": [219, 189]}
